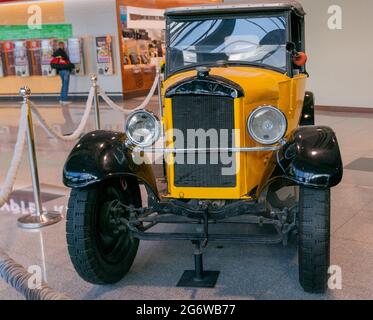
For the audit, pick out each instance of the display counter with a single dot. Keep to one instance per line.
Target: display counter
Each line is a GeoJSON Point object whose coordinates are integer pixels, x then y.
{"type": "Point", "coordinates": [138, 78]}
{"type": "Point", "coordinates": [38, 84]}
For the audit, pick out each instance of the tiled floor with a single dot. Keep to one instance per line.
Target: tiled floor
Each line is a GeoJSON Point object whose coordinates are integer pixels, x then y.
{"type": "Point", "coordinates": [247, 271]}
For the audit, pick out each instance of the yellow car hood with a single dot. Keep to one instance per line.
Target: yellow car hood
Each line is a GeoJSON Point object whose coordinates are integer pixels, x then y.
{"type": "Point", "coordinates": [258, 84]}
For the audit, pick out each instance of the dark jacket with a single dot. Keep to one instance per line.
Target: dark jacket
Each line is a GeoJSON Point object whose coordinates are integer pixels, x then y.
{"type": "Point", "coordinates": [62, 53]}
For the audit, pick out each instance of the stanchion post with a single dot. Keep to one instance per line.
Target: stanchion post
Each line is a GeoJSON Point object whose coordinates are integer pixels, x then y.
{"type": "Point", "coordinates": [96, 101]}
{"type": "Point", "coordinates": [160, 101]}
{"type": "Point", "coordinates": [39, 218]}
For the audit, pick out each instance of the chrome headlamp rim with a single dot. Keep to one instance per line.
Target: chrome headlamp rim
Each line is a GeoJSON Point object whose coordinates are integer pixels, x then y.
{"type": "Point", "coordinates": [252, 133]}
{"type": "Point", "coordinates": [157, 128]}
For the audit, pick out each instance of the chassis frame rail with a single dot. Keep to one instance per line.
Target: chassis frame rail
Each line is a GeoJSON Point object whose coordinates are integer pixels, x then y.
{"type": "Point", "coordinates": [204, 215]}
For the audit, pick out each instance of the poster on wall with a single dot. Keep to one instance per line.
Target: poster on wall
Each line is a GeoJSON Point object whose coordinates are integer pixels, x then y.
{"type": "Point", "coordinates": [20, 59]}
{"type": "Point", "coordinates": [137, 18]}
{"type": "Point", "coordinates": [46, 57]}
{"type": "Point", "coordinates": [104, 52]}
{"type": "Point", "coordinates": [7, 52]}
{"type": "Point", "coordinates": [1, 65]}
{"type": "Point", "coordinates": [75, 49]}
{"type": "Point", "coordinates": [142, 45]}
{"type": "Point", "coordinates": [34, 56]}
{"type": "Point", "coordinates": [123, 16]}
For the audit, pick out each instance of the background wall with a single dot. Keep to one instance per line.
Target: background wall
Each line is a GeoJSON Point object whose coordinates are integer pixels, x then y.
{"type": "Point", "coordinates": [89, 18]}
{"type": "Point", "coordinates": [16, 14]}
{"type": "Point", "coordinates": [340, 61]}
{"type": "Point", "coordinates": [163, 4]}
{"type": "Point", "coordinates": [92, 18]}
{"type": "Point", "coordinates": [339, 64]}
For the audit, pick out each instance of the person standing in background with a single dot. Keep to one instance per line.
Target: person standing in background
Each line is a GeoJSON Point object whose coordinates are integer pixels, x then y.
{"type": "Point", "coordinates": [62, 64]}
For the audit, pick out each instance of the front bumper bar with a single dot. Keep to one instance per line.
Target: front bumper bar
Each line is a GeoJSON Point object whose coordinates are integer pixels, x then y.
{"type": "Point", "coordinates": [205, 150]}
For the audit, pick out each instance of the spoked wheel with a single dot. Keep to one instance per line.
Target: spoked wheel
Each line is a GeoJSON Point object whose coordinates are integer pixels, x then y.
{"type": "Point", "coordinates": [101, 248]}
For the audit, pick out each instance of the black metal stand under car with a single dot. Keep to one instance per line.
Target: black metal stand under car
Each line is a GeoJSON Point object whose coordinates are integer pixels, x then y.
{"type": "Point", "coordinates": [213, 81]}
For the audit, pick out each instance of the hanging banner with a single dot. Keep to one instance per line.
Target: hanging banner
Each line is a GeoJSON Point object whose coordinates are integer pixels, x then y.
{"type": "Point", "coordinates": [20, 13]}
{"type": "Point", "coordinates": [18, 32]}
{"type": "Point", "coordinates": [137, 18]}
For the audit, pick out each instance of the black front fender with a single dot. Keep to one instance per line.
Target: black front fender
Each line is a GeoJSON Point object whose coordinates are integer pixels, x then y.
{"type": "Point", "coordinates": [311, 157]}
{"type": "Point", "coordinates": [100, 155]}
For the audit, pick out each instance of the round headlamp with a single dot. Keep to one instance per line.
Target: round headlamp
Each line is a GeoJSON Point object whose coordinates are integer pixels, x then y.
{"type": "Point", "coordinates": [143, 128]}
{"type": "Point", "coordinates": [267, 125]}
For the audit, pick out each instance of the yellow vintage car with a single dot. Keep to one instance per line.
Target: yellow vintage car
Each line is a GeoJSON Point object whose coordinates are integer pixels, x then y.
{"type": "Point", "coordinates": [236, 138]}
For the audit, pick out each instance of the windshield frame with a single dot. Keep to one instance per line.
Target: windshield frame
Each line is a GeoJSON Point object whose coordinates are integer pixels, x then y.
{"type": "Point", "coordinates": [240, 15]}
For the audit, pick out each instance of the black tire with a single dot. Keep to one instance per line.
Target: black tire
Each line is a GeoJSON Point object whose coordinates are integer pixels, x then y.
{"type": "Point", "coordinates": [100, 252]}
{"type": "Point", "coordinates": [314, 239]}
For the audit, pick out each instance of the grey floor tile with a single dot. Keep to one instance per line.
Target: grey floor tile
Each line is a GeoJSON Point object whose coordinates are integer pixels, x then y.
{"type": "Point", "coordinates": [340, 216]}
{"type": "Point", "coordinates": [247, 271]}
{"type": "Point", "coordinates": [355, 259]}
{"type": "Point", "coordinates": [10, 294]}
{"type": "Point", "coordinates": [359, 228]}
{"type": "Point", "coordinates": [358, 178]}
{"type": "Point", "coordinates": [361, 164]}
{"type": "Point", "coordinates": [353, 197]}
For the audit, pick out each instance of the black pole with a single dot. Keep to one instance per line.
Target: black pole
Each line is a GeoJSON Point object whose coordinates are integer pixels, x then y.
{"type": "Point", "coordinates": [198, 278]}
{"type": "Point", "coordinates": [198, 262]}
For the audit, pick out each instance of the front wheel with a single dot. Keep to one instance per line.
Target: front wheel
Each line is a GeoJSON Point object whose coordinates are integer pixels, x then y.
{"type": "Point", "coordinates": [314, 239]}
{"type": "Point", "coordinates": [101, 249]}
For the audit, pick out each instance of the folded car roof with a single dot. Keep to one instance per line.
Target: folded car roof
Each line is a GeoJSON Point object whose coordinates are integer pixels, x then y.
{"type": "Point", "coordinates": [245, 6]}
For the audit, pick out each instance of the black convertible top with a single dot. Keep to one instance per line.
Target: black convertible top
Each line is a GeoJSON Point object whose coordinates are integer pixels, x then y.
{"type": "Point", "coordinates": [244, 6]}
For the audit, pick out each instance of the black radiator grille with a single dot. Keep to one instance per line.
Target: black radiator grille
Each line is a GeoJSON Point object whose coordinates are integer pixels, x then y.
{"type": "Point", "coordinates": [203, 112]}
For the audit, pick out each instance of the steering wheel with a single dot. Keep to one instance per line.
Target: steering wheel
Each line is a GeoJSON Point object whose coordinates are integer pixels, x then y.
{"type": "Point", "coordinates": [269, 54]}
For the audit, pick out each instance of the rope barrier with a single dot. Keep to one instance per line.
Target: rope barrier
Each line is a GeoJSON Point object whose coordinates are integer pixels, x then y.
{"type": "Point", "coordinates": [16, 159]}
{"type": "Point", "coordinates": [13, 273]}
{"type": "Point", "coordinates": [143, 105]}
{"type": "Point", "coordinates": [19, 147]}
{"type": "Point", "coordinates": [77, 133]}
{"type": "Point", "coordinates": [112, 104]}
{"type": "Point", "coordinates": [17, 277]}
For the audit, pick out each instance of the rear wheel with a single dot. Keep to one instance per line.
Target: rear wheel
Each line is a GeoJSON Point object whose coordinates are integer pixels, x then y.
{"type": "Point", "coordinates": [101, 248]}
{"type": "Point", "coordinates": [314, 239]}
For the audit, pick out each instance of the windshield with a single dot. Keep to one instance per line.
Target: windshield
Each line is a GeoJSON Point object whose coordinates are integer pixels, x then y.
{"type": "Point", "coordinates": [252, 40]}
